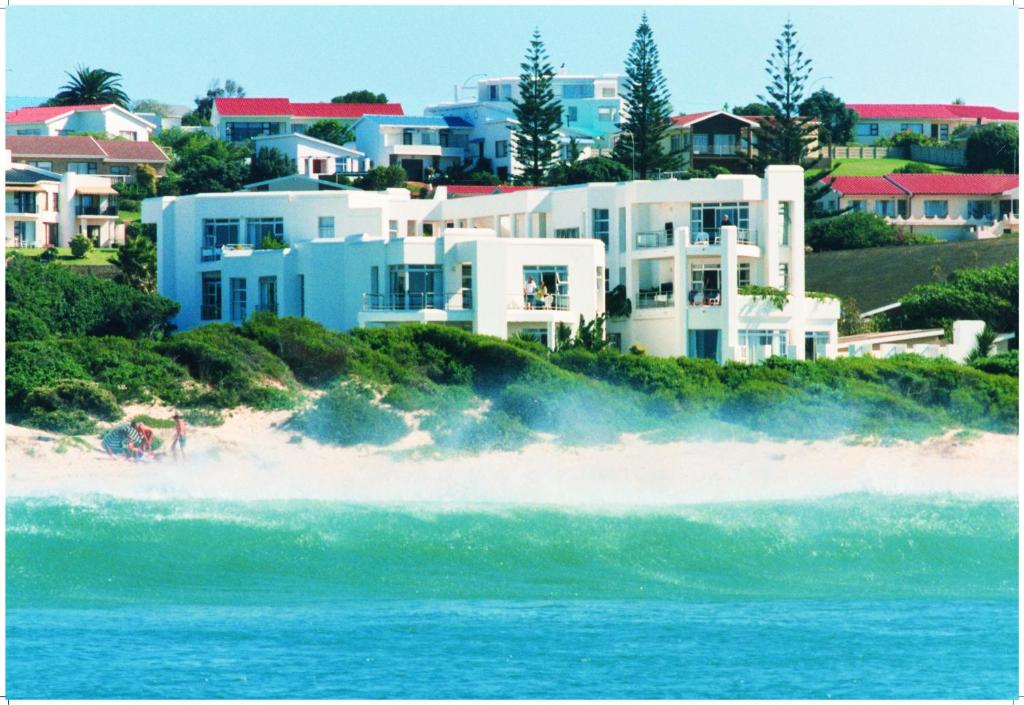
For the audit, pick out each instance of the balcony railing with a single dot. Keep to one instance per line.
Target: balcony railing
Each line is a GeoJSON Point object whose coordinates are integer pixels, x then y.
{"type": "Point", "coordinates": [713, 236]}
{"type": "Point", "coordinates": [717, 149]}
{"type": "Point", "coordinates": [653, 238]}
{"type": "Point", "coordinates": [95, 210]}
{"type": "Point", "coordinates": [22, 208]}
{"type": "Point", "coordinates": [412, 301]}
{"type": "Point", "coordinates": [121, 178]}
{"type": "Point", "coordinates": [531, 302]}
{"type": "Point", "coordinates": [654, 299]}
{"type": "Point", "coordinates": [704, 297]}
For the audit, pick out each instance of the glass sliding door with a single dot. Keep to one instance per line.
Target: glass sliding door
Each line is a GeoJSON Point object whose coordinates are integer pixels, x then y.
{"type": "Point", "coordinates": [268, 294]}
{"type": "Point", "coordinates": [416, 286]}
{"type": "Point", "coordinates": [704, 344]}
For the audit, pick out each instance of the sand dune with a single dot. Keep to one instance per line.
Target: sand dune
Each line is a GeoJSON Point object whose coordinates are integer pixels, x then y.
{"type": "Point", "coordinates": [250, 458]}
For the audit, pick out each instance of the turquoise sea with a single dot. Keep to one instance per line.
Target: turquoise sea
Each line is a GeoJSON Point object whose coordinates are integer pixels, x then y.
{"type": "Point", "coordinates": [860, 596]}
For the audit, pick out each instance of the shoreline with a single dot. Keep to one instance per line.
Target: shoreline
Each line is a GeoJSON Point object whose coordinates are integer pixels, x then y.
{"type": "Point", "coordinates": [250, 458]}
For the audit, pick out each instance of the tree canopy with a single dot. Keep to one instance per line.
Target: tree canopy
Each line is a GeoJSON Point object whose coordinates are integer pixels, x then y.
{"type": "Point", "coordinates": [539, 115]}
{"type": "Point", "coordinates": [989, 295]}
{"type": "Point", "coordinates": [752, 109]}
{"type": "Point", "coordinates": [331, 130]}
{"type": "Point", "coordinates": [993, 147]}
{"type": "Point", "coordinates": [202, 164]}
{"type": "Point", "coordinates": [594, 169]}
{"type": "Point", "coordinates": [204, 104]}
{"type": "Point", "coordinates": [649, 113]}
{"type": "Point", "coordinates": [361, 96]}
{"type": "Point", "coordinates": [270, 163]}
{"type": "Point", "coordinates": [836, 120]}
{"type": "Point", "coordinates": [148, 105]}
{"type": "Point", "coordinates": [851, 231]}
{"type": "Point", "coordinates": [91, 87]}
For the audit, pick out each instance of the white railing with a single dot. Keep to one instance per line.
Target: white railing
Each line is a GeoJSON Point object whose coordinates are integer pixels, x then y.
{"type": "Point", "coordinates": [704, 297]}
{"type": "Point", "coordinates": [533, 302]}
{"type": "Point", "coordinates": [653, 238]}
{"type": "Point", "coordinates": [655, 299]}
{"type": "Point", "coordinates": [712, 236]}
{"type": "Point", "coordinates": [121, 178]}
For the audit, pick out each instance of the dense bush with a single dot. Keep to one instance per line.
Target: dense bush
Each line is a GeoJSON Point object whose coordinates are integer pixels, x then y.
{"type": "Point", "coordinates": [80, 245]}
{"type": "Point", "coordinates": [993, 148]}
{"type": "Point", "coordinates": [72, 305]}
{"type": "Point", "coordinates": [1002, 364]}
{"type": "Point", "coordinates": [915, 168]}
{"type": "Point", "coordinates": [850, 231]}
{"type": "Point", "coordinates": [237, 369]}
{"type": "Point", "coordinates": [69, 406]}
{"type": "Point", "coordinates": [989, 295]}
{"type": "Point", "coordinates": [347, 415]}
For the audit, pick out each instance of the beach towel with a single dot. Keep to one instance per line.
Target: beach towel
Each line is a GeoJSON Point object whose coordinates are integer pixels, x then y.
{"type": "Point", "coordinates": [116, 439]}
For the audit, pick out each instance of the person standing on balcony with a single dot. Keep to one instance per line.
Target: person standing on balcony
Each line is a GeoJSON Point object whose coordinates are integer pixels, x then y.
{"type": "Point", "coordinates": [529, 291]}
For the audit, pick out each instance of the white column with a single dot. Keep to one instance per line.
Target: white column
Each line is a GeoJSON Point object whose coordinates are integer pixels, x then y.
{"type": "Point", "coordinates": [680, 289]}
{"type": "Point", "coordinates": [730, 308]}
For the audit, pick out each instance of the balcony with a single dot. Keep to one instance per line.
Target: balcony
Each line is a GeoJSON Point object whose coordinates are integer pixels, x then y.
{"type": "Point", "coordinates": [525, 302]}
{"type": "Point", "coordinates": [712, 236]}
{"type": "Point", "coordinates": [653, 298]}
{"type": "Point", "coordinates": [121, 178]}
{"type": "Point", "coordinates": [97, 211]}
{"type": "Point", "coordinates": [653, 238]}
{"type": "Point", "coordinates": [717, 150]}
{"type": "Point", "coordinates": [21, 208]}
{"type": "Point", "coordinates": [704, 297]}
{"type": "Point", "coordinates": [412, 301]}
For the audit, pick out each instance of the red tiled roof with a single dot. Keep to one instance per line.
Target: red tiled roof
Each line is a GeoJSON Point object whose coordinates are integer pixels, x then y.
{"type": "Point", "coordinates": [957, 184]}
{"type": "Point", "coordinates": [924, 111]}
{"type": "Point", "coordinates": [41, 145]}
{"type": "Point", "coordinates": [284, 107]}
{"type": "Point", "coordinates": [864, 186]}
{"type": "Point", "coordinates": [477, 190]}
{"type": "Point", "coordinates": [924, 184]}
{"type": "Point", "coordinates": [684, 120]}
{"type": "Point", "coordinates": [44, 146]}
{"type": "Point", "coordinates": [133, 151]}
{"type": "Point", "coordinates": [23, 115]}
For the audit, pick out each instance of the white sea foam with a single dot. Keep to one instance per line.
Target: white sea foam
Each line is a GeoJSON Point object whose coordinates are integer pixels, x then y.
{"type": "Point", "coordinates": [249, 459]}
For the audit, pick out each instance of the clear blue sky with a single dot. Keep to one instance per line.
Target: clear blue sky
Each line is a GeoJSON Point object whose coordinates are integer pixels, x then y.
{"type": "Point", "coordinates": [710, 55]}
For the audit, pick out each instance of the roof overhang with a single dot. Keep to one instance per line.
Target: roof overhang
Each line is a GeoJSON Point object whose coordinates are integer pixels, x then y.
{"type": "Point", "coordinates": [95, 191]}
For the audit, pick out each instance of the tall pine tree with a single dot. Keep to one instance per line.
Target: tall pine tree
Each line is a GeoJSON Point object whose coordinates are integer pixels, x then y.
{"type": "Point", "coordinates": [785, 135]}
{"type": "Point", "coordinates": [649, 113]}
{"type": "Point", "coordinates": [535, 140]}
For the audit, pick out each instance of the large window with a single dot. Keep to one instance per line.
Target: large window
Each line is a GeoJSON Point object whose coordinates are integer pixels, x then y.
{"type": "Point", "coordinates": [268, 294]}
{"type": "Point", "coordinates": [238, 300]}
{"type": "Point", "coordinates": [22, 202]}
{"type": "Point", "coordinates": [82, 167]}
{"type": "Point", "coordinates": [416, 286]}
{"type": "Point", "coordinates": [858, 206]}
{"type": "Point", "coordinates": [885, 208]}
{"type": "Point", "coordinates": [501, 149]}
{"type": "Point", "coordinates": [755, 341]}
{"type": "Point", "coordinates": [703, 344]}
{"type": "Point", "coordinates": [238, 131]}
{"type": "Point", "coordinates": [743, 274]}
{"type": "Point", "coordinates": [706, 219]}
{"type": "Point", "coordinates": [936, 209]}
{"type": "Point", "coordinates": [575, 91]}
{"type": "Point", "coordinates": [211, 297]}
{"type": "Point", "coordinates": [554, 278]}
{"type": "Point", "coordinates": [600, 225]}
{"type": "Point", "coordinates": [571, 114]}
{"type": "Point", "coordinates": [867, 129]}
{"type": "Point", "coordinates": [24, 233]}
{"type": "Point", "coordinates": [258, 228]}
{"type": "Point", "coordinates": [915, 127]}
{"type": "Point", "coordinates": [815, 345]}
{"type": "Point", "coordinates": [705, 284]}
{"type": "Point", "coordinates": [325, 226]}
{"type": "Point", "coordinates": [41, 165]}
{"type": "Point", "coordinates": [981, 210]}
{"type": "Point", "coordinates": [218, 232]}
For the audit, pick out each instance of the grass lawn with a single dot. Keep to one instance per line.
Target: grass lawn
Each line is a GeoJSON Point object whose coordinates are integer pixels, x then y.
{"type": "Point", "coordinates": [128, 216]}
{"type": "Point", "coordinates": [878, 167]}
{"type": "Point", "coordinates": [95, 256]}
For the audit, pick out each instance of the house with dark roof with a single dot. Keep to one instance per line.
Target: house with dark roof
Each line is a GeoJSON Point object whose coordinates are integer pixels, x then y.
{"type": "Point", "coordinates": [948, 206]}
{"type": "Point", "coordinates": [936, 120]}
{"type": "Point", "coordinates": [419, 144]}
{"type": "Point", "coordinates": [239, 119]}
{"type": "Point", "coordinates": [713, 137]}
{"type": "Point", "coordinates": [44, 209]}
{"type": "Point", "coordinates": [67, 119]}
{"type": "Point", "coordinates": [117, 160]}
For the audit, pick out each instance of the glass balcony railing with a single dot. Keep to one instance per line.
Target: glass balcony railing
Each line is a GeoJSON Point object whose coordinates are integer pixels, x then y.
{"type": "Point", "coordinates": [654, 238]}
{"type": "Point", "coordinates": [713, 236]}
{"type": "Point", "coordinates": [533, 302]}
{"type": "Point", "coordinates": [96, 210]}
{"type": "Point", "coordinates": [411, 301]}
{"type": "Point", "coordinates": [654, 298]}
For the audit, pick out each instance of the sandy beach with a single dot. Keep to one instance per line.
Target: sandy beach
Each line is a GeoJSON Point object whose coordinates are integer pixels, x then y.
{"type": "Point", "coordinates": [249, 457]}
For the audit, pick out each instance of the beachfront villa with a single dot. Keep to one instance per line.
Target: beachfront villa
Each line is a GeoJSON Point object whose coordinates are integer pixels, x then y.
{"type": "Point", "coordinates": [512, 263]}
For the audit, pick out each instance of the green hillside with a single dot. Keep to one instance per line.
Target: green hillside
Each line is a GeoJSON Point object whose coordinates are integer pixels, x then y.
{"type": "Point", "coordinates": [881, 275]}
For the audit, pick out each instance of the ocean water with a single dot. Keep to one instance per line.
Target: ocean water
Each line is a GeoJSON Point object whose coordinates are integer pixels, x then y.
{"type": "Point", "coordinates": [860, 596]}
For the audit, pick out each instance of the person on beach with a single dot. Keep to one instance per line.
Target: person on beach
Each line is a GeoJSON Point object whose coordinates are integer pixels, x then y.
{"type": "Point", "coordinates": [178, 444]}
{"type": "Point", "coordinates": [123, 441]}
{"type": "Point", "coordinates": [146, 434]}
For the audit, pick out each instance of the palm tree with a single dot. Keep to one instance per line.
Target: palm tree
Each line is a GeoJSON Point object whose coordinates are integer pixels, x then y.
{"type": "Point", "coordinates": [90, 87]}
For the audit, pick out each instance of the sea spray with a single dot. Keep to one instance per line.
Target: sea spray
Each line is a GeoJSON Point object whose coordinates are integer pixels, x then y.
{"type": "Point", "coordinates": [103, 551]}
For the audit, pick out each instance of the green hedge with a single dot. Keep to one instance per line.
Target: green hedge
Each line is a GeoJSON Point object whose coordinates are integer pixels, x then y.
{"type": "Point", "coordinates": [346, 415]}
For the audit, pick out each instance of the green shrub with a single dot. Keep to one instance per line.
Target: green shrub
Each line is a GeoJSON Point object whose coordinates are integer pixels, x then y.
{"type": "Point", "coordinates": [496, 430]}
{"type": "Point", "coordinates": [75, 394]}
{"type": "Point", "coordinates": [203, 417]}
{"type": "Point", "coordinates": [72, 422]}
{"type": "Point", "coordinates": [314, 354]}
{"type": "Point", "coordinates": [915, 168]}
{"type": "Point", "coordinates": [35, 364]}
{"type": "Point", "coordinates": [1001, 364]}
{"type": "Point", "coordinates": [80, 246]}
{"type": "Point", "coordinates": [855, 230]}
{"type": "Point", "coordinates": [152, 421]}
{"type": "Point", "coordinates": [237, 369]}
{"type": "Point", "coordinates": [24, 325]}
{"type": "Point", "coordinates": [346, 415]}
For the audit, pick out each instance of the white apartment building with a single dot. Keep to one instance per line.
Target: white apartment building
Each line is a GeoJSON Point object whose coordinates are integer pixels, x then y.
{"type": "Point", "coordinates": [592, 106]}
{"type": "Point", "coordinates": [65, 120]}
{"type": "Point", "coordinates": [381, 258]}
{"type": "Point", "coordinates": [43, 208]}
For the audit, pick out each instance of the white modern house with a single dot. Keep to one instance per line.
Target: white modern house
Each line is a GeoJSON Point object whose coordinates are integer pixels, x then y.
{"type": "Point", "coordinates": [417, 144]}
{"type": "Point", "coordinates": [67, 119]}
{"type": "Point", "coordinates": [592, 106]}
{"type": "Point", "coordinates": [936, 120]}
{"type": "Point", "coordinates": [43, 208]}
{"type": "Point", "coordinates": [947, 206]}
{"type": "Point", "coordinates": [928, 342]}
{"type": "Point", "coordinates": [683, 250]}
{"type": "Point", "coordinates": [315, 157]}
